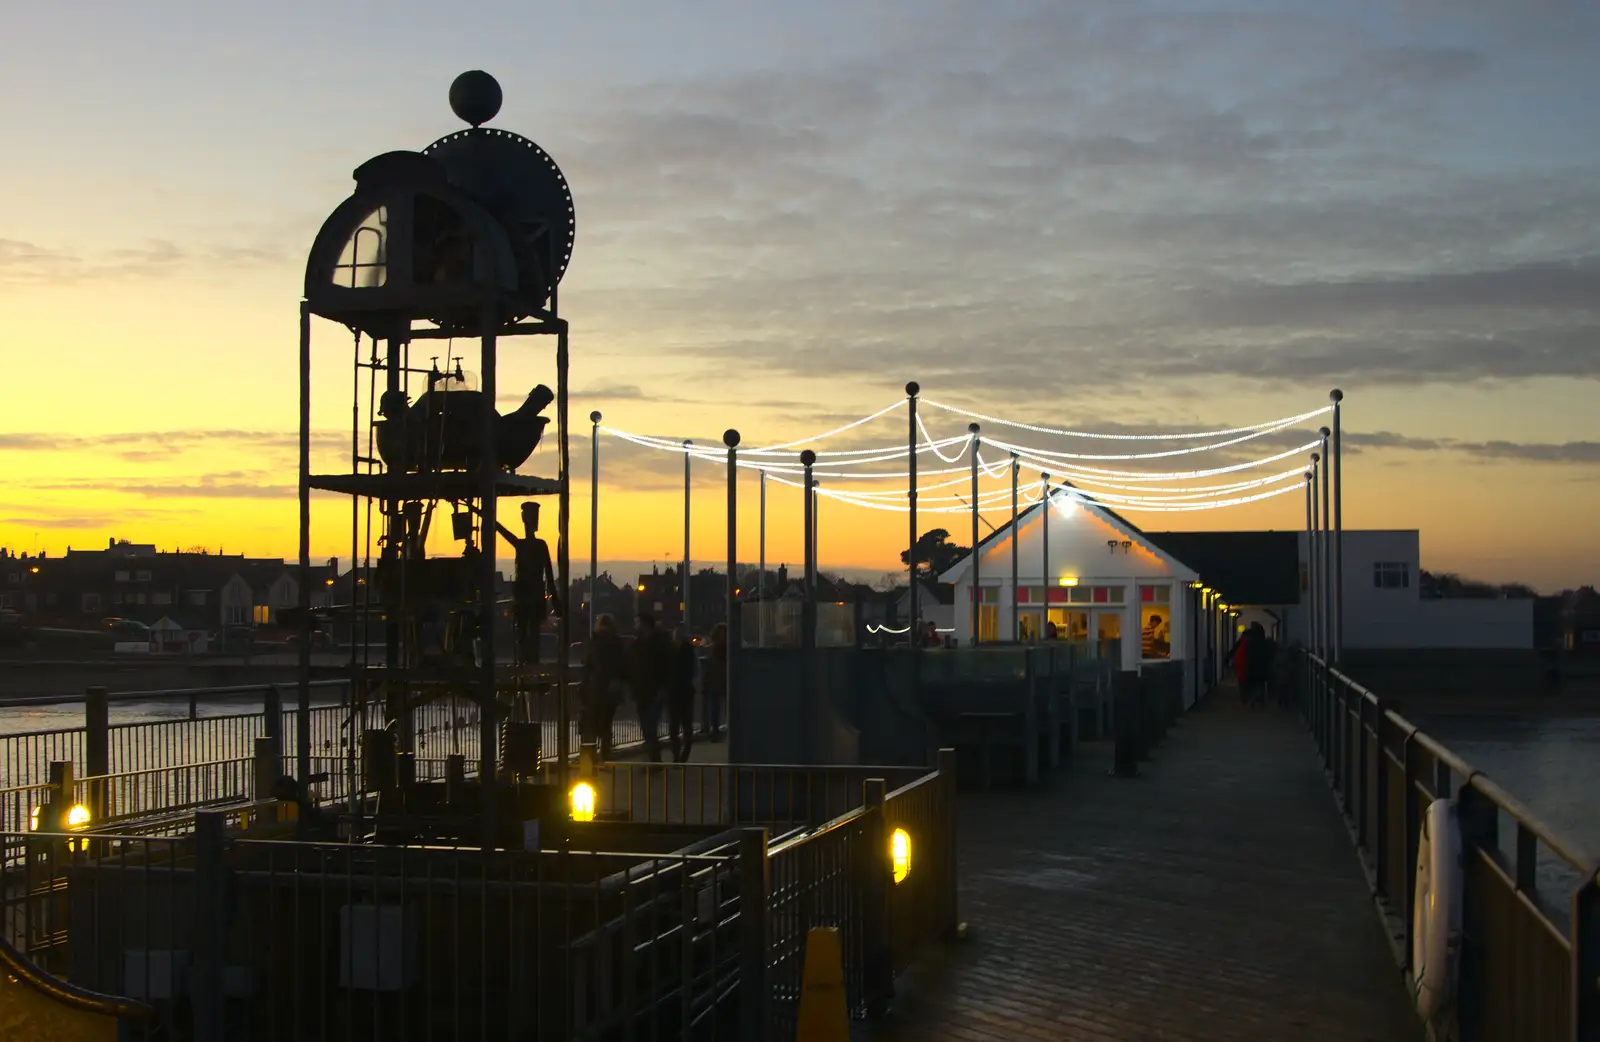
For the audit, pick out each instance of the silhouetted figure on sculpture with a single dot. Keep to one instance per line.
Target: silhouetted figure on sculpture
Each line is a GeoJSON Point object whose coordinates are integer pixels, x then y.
{"type": "Point", "coordinates": [534, 587]}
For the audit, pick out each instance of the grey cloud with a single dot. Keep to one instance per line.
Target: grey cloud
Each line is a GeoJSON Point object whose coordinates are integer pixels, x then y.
{"type": "Point", "coordinates": [137, 445]}
{"type": "Point", "coordinates": [25, 264]}
{"type": "Point", "coordinates": [1568, 285]}
{"type": "Point", "coordinates": [64, 521]}
{"type": "Point", "coordinates": [921, 214]}
{"type": "Point", "coordinates": [1575, 452]}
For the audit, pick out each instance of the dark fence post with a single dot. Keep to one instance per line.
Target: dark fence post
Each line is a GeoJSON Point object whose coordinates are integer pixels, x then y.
{"type": "Point", "coordinates": [1380, 795]}
{"type": "Point", "coordinates": [267, 767]}
{"type": "Point", "coordinates": [874, 882]}
{"type": "Point", "coordinates": [97, 750]}
{"type": "Point", "coordinates": [1412, 829]}
{"type": "Point", "coordinates": [272, 710]}
{"type": "Point", "coordinates": [755, 994]}
{"type": "Point", "coordinates": [1125, 723]}
{"type": "Point", "coordinates": [951, 908]}
{"type": "Point", "coordinates": [1362, 745]}
{"type": "Point", "coordinates": [210, 927]}
{"type": "Point", "coordinates": [1586, 959]}
{"type": "Point", "coordinates": [60, 801]}
{"type": "Point", "coordinates": [1478, 820]}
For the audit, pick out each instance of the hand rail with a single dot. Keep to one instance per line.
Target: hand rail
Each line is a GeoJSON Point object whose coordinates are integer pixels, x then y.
{"type": "Point", "coordinates": [53, 987]}
{"type": "Point", "coordinates": [1473, 777]}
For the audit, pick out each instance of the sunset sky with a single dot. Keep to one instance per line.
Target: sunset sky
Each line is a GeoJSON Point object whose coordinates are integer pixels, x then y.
{"type": "Point", "coordinates": [1119, 216]}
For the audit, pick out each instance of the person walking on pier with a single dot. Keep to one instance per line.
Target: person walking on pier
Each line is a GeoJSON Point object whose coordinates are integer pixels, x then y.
{"type": "Point", "coordinates": [1260, 651]}
{"type": "Point", "coordinates": [651, 675]}
{"type": "Point", "coordinates": [680, 695]}
{"type": "Point", "coordinates": [714, 682]}
{"type": "Point", "coordinates": [605, 669]}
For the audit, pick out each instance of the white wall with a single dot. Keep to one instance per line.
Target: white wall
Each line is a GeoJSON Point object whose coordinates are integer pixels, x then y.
{"type": "Point", "coordinates": [1078, 550]}
{"type": "Point", "coordinates": [1376, 617]}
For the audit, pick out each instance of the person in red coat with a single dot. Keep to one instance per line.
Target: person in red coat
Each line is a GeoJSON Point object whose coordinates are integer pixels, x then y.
{"type": "Point", "coordinates": [1241, 663]}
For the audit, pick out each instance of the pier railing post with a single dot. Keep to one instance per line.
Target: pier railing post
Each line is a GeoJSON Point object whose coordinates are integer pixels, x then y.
{"type": "Point", "coordinates": [755, 994]}
{"type": "Point", "coordinates": [210, 927]}
{"type": "Point", "coordinates": [1362, 713]}
{"type": "Point", "coordinates": [1380, 796]}
{"type": "Point", "coordinates": [1586, 959]}
{"type": "Point", "coordinates": [97, 750]}
{"type": "Point", "coordinates": [874, 882]}
{"type": "Point", "coordinates": [267, 767]}
{"type": "Point", "coordinates": [949, 886]}
{"type": "Point", "coordinates": [272, 716]}
{"type": "Point", "coordinates": [1478, 819]}
{"type": "Point", "coordinates": [1125, 723]}
{"type": "Point", "coordinates": [1413, 825]}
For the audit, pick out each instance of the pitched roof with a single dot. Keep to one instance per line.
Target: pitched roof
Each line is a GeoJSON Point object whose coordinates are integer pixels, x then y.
{"type": "Point", "coordinates": [1258, 568]}
{"type": "Point", "coordinates": [1088, 502]}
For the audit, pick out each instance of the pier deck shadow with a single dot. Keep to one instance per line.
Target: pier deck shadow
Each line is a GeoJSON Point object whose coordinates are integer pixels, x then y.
{"type": "Point", "coordinates": [1214, 898]}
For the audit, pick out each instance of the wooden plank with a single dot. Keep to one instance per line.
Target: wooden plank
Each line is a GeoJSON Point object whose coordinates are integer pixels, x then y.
{"type": "Point", "coordinates": [1214, 898]}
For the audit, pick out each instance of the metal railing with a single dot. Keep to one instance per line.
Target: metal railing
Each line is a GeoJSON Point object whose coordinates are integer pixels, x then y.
{"type": "Point", "coordinates": [225, 936]}
{"type": "Point", "coordinates": [735, 794]}
{"type": "Point", "coordinates": [442, 727]}
{"type": "Point", "coordinates": [1530, 958]}
{"type": "Point", "coordinates": [266, 940]}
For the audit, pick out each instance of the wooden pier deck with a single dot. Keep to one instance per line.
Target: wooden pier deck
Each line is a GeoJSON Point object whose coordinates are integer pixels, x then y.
{"type": "Point", "coordinates": [1215, 898]}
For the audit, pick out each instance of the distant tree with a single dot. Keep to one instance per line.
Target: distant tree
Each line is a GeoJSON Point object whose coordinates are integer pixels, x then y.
{"type": "Point", "coordinates": [935, 553]}
{"type": "Point", "coordinates": [1451, 585]}
{"type": "Point", "coordinates": [889, 580]}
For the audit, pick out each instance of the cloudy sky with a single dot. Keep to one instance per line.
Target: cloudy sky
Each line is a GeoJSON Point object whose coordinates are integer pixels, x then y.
{"type": "Point", "coordinates": [1113, 216]}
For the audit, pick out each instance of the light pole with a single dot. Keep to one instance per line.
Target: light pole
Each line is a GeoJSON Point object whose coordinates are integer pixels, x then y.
{"type": "Point", "coordinates": [1044, 568]}
{"type": "Point", "coordinates": [808, 617]}
{"type": "Point", "coordinates": [977, 589]}
{"type": "Point", "coordinates": [914, 623]}
{"type": "Point", "coordinates": [1016, 621]}
{"type": "Point", "coordinates": [1327, 553]}
{"type": "Point", "coordinates": [730, 438]}
{"type": "Point", "coordinates": [1337, 396]}
{"type": "Point", "coordinates": [594, 511]}
{"type": "Point", "coordinates": [761, 572]}
{"type": "Point", "coordinates": [684, 585]}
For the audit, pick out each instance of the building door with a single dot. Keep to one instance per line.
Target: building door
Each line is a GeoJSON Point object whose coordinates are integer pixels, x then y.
{"type": "Point", "coordinates": [1108, 633]}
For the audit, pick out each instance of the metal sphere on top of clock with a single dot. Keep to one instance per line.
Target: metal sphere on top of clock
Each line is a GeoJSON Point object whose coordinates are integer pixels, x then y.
{"type": "Point", "coordinates": [514, 179]}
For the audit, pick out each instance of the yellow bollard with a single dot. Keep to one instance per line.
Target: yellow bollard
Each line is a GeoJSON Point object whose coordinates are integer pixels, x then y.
{"type": "Point", "coordinates": [823, 1016]}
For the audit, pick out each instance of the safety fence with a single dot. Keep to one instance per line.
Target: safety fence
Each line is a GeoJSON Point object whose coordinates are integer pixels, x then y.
{"type": "Point", "coordinates": [1530, 950]}
{"type": "Point", "coordinates": [217, 934]}
{"type": "Point", "coordinates": [438, 727]}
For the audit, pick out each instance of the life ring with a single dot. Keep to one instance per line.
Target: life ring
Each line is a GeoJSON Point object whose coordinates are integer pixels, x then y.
{"type": "Point", "coordinates": [1436, 918]}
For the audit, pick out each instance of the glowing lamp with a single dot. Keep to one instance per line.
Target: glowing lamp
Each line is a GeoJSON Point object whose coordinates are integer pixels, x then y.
{"type": "Point", "coordinates": [582, 799]}
{"type": "Point", "coordinates": [1068, 581]}
{"type": "Point", "coordinates": [77, 818]}
{"type": "Point", "coordinates": [900, 854]}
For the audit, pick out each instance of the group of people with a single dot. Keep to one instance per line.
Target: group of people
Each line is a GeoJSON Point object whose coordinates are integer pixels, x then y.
{"type": "Point", "coordinates": [1260, 664]}
{"type": "Point", "coordinates": [660, 673]}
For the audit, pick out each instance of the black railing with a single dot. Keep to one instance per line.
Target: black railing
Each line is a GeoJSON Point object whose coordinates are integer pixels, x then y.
{"type": "Point", "coordinates": [1530, 959]}
{"type": "Point", "coordinates": [225, 936]}
{"type": "Point", "coordinates": [441, 727]}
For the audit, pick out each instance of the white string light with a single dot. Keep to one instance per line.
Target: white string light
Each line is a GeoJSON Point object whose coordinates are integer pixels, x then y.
{"type": "Point", "coordinates": [891, 407]}
{"type": "Point", "coordinates": [1287, 421]}
{"type": "Point", "coordinates": [928, 439]}
{"type": "Point", "coordinates": [1238, 435]}
{"type": "Point", "coordinates": [1130, 490]}
{"type": "Point", "coordinates": [1027, 455]}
